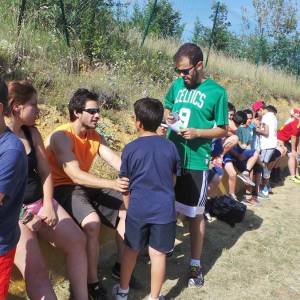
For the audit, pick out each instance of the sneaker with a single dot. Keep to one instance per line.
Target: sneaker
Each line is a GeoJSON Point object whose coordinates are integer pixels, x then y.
{"type": "Point", "coordinates": [196, 277]}
{"type": "Point", "coordinates": [294, 179]}
{"type": "Point", "coordinates": [116, 272]}
{"type": "Point", "coordinates": [118, 295]}
{"type": "Point", "coordinates": [297, 176]}
{"type": "Point", "coordinates": [245, 178]}
{"type": "Point", "coordinates": [234, 197]}
{"type": "Point", "coordinates": [97, 292]}
{"type": "Point", "coordinates": [265, 191]}
{"type": "Point", "coordinates": [262, 196]}
{"type": "Point", "coordinates": [208, 217]}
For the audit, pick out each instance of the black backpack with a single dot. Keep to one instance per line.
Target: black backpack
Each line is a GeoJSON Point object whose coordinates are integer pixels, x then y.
{"type": "Point", "coordinates": [226, 209]}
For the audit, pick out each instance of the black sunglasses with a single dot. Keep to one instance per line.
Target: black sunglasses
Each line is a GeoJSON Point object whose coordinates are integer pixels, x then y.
{"type": "Point", "coordinates": [185, 71]}
{"type": "Point", "coordinates": [92, 111]}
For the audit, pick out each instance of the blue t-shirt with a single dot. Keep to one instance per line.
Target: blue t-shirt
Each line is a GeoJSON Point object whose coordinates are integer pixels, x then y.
{"type": "Point", "coordinates": [13, 180]}
{"type": "Point", "coordinates": [150, 163]}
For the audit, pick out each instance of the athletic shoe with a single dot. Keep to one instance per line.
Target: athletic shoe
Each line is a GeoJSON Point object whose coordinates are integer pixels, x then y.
{"type": "Point", "coordinates": [262, 196]}
{"type": "Point", "coordinates": [196, 277]}
{"type": "Point", "coordinates": [265, 191]}
{"type": "Point", "coordinates": [294, 179]}
{"type": "Point", "coordinates": [245, 178]}
{"type": "Point", "coordinates": [116, 272]}
{"type": "Point", "coordinates": [297, 176]}
{"type": "Point", "coordinates": [234, 197]}
{"type": "Point", "coordinates": [98, 292]}
{"type": "Point", "coordinates": [118, 295]}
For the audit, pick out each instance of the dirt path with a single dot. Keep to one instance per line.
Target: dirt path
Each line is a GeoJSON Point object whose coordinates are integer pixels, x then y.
{"type": "Point", "coordinates": [258, 259]}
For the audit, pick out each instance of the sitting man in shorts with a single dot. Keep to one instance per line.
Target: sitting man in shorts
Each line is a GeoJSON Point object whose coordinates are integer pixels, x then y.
{"type": "Point", "coordinates": [13, 180]}
{"type": "Point", "coordinates": [90, 200]}
{"type": "Point", "coordinates": [288, 138]}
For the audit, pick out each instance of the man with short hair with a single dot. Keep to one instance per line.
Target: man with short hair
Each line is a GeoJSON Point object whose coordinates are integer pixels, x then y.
{"type": "Point", "coordinates": [288, 138]}
{"type": "Point", "coordinates": [201, 106]}
{"type": "Point", "coordinates": [13, 180]}
{"type": "Point", "coordinates": [91, 200]}
{"type": "Point", "coordinates": [268, 143]}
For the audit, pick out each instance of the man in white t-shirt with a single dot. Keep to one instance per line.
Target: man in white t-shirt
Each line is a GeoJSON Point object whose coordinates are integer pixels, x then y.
{"type": "Point", "coordinates": [268, 143]}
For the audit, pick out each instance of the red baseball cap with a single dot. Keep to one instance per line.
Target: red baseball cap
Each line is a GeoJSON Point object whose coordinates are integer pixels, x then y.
{"type": "Point", "coordinates": [258, 105]}
{"type": "Point", "coordinates": [295, 111]}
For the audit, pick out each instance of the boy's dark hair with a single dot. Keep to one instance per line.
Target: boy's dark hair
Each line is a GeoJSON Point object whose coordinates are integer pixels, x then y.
{"type": "Point", "coordinates": [190, 50]}
{"type": "Point", "coordinates": [240, 118]}
{"type": "Point", "coordinates": [271, 108]}
{"type": "Point", "coordinates": [149, 112]}
{"type": "Point", "coordinates": [231, 107]}
{"type": "Point", "coordinates": [3, 93]}
{"type": "Point", "coordinates": [78, 100]}
{"type": "Point", "coordinates": [248, 112]}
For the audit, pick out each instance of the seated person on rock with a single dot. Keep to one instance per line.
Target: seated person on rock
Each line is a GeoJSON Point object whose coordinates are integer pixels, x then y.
{"type": "Point", "coordinates": [41, 215]}
{"type": "Point", "coordinates": [91, 200]}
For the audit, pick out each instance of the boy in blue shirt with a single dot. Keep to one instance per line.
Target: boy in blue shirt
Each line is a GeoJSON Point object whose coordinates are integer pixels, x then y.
{"type": "Point", "coordinates": [151, 163]}
{"type": "Point", "coordinates": [13, 179]}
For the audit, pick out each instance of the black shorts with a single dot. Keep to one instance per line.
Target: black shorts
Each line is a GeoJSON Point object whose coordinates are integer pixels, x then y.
{"type": "Point", "coordinates": [191, 192]}
{"type": "Point", "coordinates": [160, 237]}
{"type": "Point", "coordinates": [81, 201]}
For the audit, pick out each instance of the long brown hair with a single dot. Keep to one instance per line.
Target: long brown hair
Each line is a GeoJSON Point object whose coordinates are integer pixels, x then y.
{"type": "Point", "coordinates": [19, 92]}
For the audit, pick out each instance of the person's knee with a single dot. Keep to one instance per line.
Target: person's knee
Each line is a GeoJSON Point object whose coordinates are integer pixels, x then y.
{"type": "Point", "coordinates": [155, 253]}
{"type": "Point", "coordinates": [92, 230]}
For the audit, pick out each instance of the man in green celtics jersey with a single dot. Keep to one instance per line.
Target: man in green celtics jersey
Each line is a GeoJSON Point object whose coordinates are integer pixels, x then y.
{"type": "Point", "coordinates": [198, 107]}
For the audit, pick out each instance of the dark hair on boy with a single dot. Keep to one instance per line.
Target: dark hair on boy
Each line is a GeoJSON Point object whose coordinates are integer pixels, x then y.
{"type": "Point", "coordinates": [3, 93]}
{"type": "Point", "coordinates": [271, 108]}
{"type": "Point", "coordinates": [191, 51]}
{"type": "Point", "coordinates": [149, 112]}
{"type": "Point", "coordinates": [248, 111]}
{"type": "Point", "coordinates": [231, 107]}
{"type": "Point", "coordinates": [78, 100]}
{"type": "Point", "coordinates": [239, 118]}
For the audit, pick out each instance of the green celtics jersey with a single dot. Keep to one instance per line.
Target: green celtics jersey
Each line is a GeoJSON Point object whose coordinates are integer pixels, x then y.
{"type": "Point", "coordinates": [203, 107]}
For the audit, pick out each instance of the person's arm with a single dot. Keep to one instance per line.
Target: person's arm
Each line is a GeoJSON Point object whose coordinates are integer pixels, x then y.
{"type": "Point", "coordinates": [48, 216]}
{"type": "Point", "coordinates": [264, 130]}
{"type": "Point", "coordinates": [126, 197]}
{"type": "Point", "coordinates": [109, 155]}
{"type": "Point", "coordinates": [192, 133]}
{"type": "Point", "coordinates": [61, 145]}
{"type": "Point", "coordinates": [1, 198]}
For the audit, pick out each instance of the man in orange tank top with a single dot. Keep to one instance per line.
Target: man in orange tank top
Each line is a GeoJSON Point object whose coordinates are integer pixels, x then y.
{"type": "Point", "coordinates": [91, 200]}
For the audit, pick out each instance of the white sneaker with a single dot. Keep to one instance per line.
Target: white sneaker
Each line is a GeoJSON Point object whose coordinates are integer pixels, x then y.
{"type": "Point", "coordinates": [118, 295]}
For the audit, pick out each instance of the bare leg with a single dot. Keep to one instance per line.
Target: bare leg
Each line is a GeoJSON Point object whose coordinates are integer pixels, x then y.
{"type": "Point", "coordinates": [158, 269]}
{"type": "Point", "coordinates": [197, 231]}
{"type": "Point", "coordinates": [91, 227]}
{"type": "Point", "coordinates": [229, 168]}
{"type": "Point", "coordinates": [120, 234]}
{"type": "Point", "coordinates": [68, 237]}
{"type": "Point", "coordinates": [127, 266]}
{"type": "Point", "coordinates": [30, 262]}
{"type": "Point", "coordinates": [292, 163]}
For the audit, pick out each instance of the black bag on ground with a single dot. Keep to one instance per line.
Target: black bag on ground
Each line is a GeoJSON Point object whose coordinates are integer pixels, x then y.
{"type": "Point", "coordinates": [226, 209]}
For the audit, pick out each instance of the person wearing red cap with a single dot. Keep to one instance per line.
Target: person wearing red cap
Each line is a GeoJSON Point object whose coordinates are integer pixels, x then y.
{"type": "Point", "coordinates": [288, 137]}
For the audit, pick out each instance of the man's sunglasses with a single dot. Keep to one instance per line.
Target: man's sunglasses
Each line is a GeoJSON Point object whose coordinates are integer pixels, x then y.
{"type": "Point", "coordinates": [185, 71]}
{"type": "Point", "coordinates": [92, 111]}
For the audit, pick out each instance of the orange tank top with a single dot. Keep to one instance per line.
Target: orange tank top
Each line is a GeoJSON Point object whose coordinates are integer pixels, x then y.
{"type": "Point", "coordinates": [84, 149]}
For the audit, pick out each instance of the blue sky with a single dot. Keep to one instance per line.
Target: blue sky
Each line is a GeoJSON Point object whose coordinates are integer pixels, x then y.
{"type": "Point", "coordinates": [190, 9]}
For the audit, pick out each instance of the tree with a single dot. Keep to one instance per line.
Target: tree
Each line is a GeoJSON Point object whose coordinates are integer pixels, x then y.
{"type": "Point", "coordinates": [165, 21]}
{"type": "Point", "coordinates": [221, 36]}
